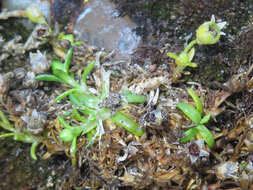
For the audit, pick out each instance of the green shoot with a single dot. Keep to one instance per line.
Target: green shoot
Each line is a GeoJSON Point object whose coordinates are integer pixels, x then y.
{"type": "Point", "coordinates": [196, 100]}
{"type": "Point", "coordinates": [70, 38]}
{"type": "Point", "coordinates": [196, 116]}
{"type": "Point", "coordinates": [190, 112]}
{"type": "Point", "coordinates": [35, 15]}
{"type": "Point", "coordinates": [89, 113]}
{"type": "Point", "coordinates": [25, 137]}
{"type": "Point", "coordinates": [86, 72]}
{"type": "Point", "coordinates": [207, 33]}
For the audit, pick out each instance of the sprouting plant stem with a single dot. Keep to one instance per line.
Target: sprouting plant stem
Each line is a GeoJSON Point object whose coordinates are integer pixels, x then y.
{"type": "Point", "coordinates": [7, 135]}
{"type": "Point", "coordinates": [33, 150]}
{"type": "Point", "coordinates": [73, 160]}
{"type": "Point", "coordinates": [66, 93]}
{"type": "Point", "coordinates": [73, 151]}
{"type": "Point", "coordinates": [68, 60]}
{"type": "Point", "coordinates": [189, 134]}
{"type": "Point", "coordinates": [86, 72]}
{"type": "Point", "coordinates": [196, 100]}
{"type": "Point", "coordinates": [64, 123]}
{"type": "Point", "coordinates": [190, 45]}
{"type": "Point", "coordinates": [73, 146]}
{"type": "Point", "coordinates": [78, 117]}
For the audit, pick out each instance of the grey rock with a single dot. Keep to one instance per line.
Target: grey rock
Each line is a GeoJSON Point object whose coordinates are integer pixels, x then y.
{"type": "Point", "coordinates": [99, 25]}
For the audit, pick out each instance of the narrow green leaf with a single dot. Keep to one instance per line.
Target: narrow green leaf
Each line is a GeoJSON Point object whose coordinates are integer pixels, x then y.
{"type": "Point", "coordinates": [172, 55]}
{"type": "Point", "coordinates": [35, 15]}
{"type": "Point", "coordinates": [90, 112]}
{"type": "Point", "coordinates": [77, 116]}
{"type": "Point", "coordinates": [190, 112]}
{"type": "Point", "coordinates": [73, 147]}
{"type": "Point", "coordinates": [66, 78]}
{"type": "Point", "coordinates": [7, 135]}
{"type": "Point", "coordinates": [46, 77]}
{"type": "Point", "coordinates": [104, 113]}
{"type": "Point", "coordinates": [5, 123]}
{"type": "Point", "coordinates": [91, 141]}
{"type": "Point", "coordinates": [126, 92]}
{"type": "Point", "coordinates": [133, 98]}
{"type": "Point", "coordinates": [66, 93]}
{"type": "Point", "coordinates": [69, 37]}
{"type": "Point", "coordinates": [68, 60]}
{"type": "Point", "coordinates": [4, 118]}
{"type": "Point", "coordinates": [192, 64]}
{"type": "Point", "coordinates": [205, 119]}
{"type": "Point", "coordinates": [86, 99]}
{"type": "Point", "coordinates": [191, 54]}
{"type": "Point", "coordinates": [88, 126]}
{"type": "Point", "coordinates": [206, 134]}
{"type": "Point", "coordinates": [78, 43]}
{"type": "Point", "coordinates": [196, 100]}
{"type": "Point", "coordinates": [91, 138]}
{"type": "Point", "coordinates": [64, 123]}
{"type": "Point", "coordinates": [7, 127]}
{"type": "Point", "coordinates": [189, 134]}
{"type": "Point", "coordinates": [57, 65]}
{"type": "Point", "coordinates": [24, 137]}
{"type": "Point", "coordinates": [33, 150]}
{"type": "Point", "coordinates": [91, 134]}
{"type": "Point", "coordinates": [74, 100]}
{"type": "Point", "coordinates": [127, 123]}
{"type": "Point", "coordinates": [87, 71]}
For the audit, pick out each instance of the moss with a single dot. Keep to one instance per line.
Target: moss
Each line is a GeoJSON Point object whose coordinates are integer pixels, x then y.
{"type": "Point", "coordinates": [12, 28]}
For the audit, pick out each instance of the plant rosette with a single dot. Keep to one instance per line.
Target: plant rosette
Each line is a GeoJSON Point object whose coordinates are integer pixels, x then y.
{"type": "Point", "coordinates": [195, 114]}
{"type": "Point", "coordinates": [90, 112]}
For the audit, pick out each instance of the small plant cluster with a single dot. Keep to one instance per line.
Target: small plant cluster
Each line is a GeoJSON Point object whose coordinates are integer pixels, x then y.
{"type": "Point", "coordinates": [90, 112]}
{"type": "Point", "coordinates": [207, 34]}
{"type": "Point", "coordinates": [195, 114]}
{"type": "Point", "coordinates": [23, 136]}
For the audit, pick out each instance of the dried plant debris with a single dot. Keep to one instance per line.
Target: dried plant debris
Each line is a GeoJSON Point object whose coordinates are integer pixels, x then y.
{"type": "Point", "coordinates": [14, 47]}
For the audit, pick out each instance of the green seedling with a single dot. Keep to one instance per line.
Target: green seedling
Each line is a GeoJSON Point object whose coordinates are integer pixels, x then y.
{"type": "Point", "coordinates": [70, 38]}
{"type": "Point", "coordinates": [35, 15]}
{"type": "Point", "coordinates": [89, 111]}
{"type": "Point", "coordinates": [195, 114]}
{"type": "Point", "coordinates": [184, 58]}
{"type": "Point", "coordinates": [208, 33]}
{"type": "Point", "coordinates": [25, 136]}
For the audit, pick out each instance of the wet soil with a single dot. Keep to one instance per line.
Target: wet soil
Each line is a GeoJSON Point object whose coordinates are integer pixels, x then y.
{"type": "Point", "coordinates": [20, 171]}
